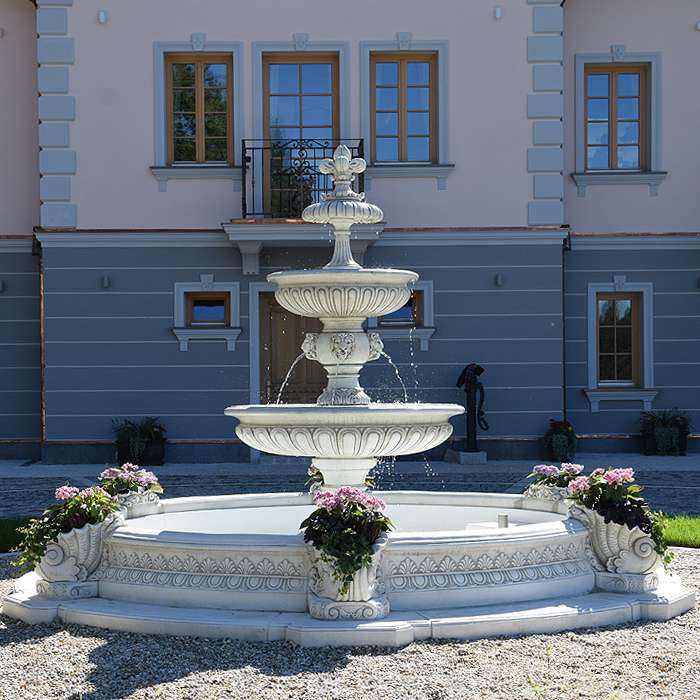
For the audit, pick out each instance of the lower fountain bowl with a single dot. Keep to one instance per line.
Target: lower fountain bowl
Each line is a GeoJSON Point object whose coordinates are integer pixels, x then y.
{"type": "Point", "coordinates": [344, 432]}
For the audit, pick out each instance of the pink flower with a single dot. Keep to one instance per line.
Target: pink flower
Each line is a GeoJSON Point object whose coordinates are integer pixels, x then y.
{"type": "Point", "coordinates": [597, 472]}
{"type": "Point", "coordinates": [619, 476]}
{"type": "Point", "coordinates": [571, 468]}
{"type": "Point", "coordinates": [64, 493]}
{"type": "Point", "coordinates": [93, 491]}
{"type": "Point", "coordinates": [348, 494]}
{"type": "Point", "coordinates": [545, 470]}
{"type": "Point", "coordinates": [581, 483]}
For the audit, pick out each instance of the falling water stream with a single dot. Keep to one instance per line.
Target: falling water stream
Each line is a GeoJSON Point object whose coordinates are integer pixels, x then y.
{"type": "Point", "coordinates": [397, 373]}
{"type": "Point", "coordinates": [288, 377]}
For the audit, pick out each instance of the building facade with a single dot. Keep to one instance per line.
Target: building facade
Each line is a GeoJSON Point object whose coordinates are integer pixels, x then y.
{"type": "Point", "coordinates": [535, 161]}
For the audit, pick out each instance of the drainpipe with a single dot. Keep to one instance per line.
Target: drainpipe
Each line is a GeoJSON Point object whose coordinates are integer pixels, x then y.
{"type": "Point", "coordinates": [566, 246]}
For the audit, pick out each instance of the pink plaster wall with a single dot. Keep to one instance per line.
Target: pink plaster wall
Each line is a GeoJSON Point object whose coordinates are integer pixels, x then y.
{"type": "Point", "coordinates": [19, 159]}
{"type": "Point", "coordinates": [112, 80]}
{"type": "Point", "coordinates": [643, 26]}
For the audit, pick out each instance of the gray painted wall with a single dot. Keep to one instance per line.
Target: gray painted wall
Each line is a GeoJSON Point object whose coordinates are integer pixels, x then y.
{"type": "Point", "coordinates": [674, 274]}
{"type": "Point", "coordinates": [19, 349]}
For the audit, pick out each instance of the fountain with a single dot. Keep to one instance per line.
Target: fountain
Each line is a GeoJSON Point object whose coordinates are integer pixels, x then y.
{"type": "Point", "coordinates": [457, 565]}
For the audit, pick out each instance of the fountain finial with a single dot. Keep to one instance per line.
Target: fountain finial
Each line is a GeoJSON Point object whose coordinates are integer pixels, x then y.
{"type": "Point", "coordinates": [342, 207]}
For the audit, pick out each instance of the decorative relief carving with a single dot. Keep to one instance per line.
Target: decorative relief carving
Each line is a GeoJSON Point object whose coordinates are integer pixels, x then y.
{"type": "Point", "coordinates": [340, 301]}
{"type": "Point", "coordinates": [198, 41]}
{"type": "Point", "coordinates": [617, 52]}
{"type": "Point", "coordinates": [76, 555]}
{"type": "Point", "coordinates": [300, 40]}
{"type": "Point", "coordinates": [617, 548]}
{"type": "Point", "coordinates": [547, 493]}
{"type": "Point", "coordinates": [376, 346]}
{"type": "Point", "coordinates": [343, 396]}
{"type": "Point", "coordinates": [342, 345]}
{"type": "Point", "coordinates": [350, 442]}
{"type": "Point", "coordinates": [428, 573]}
{"type": "Point", "coordinates": [310, 346]}
{"type": "Point", "coordinates": [138, 503]}
{"type": "Point", "coordinates": [403, 40]}
{"type": "Point", "coordinates": [190, 571]}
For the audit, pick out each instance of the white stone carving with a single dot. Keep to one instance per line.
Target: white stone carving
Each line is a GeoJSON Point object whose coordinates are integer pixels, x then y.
{"type": "Point", "coordinates": [138, 503]}
{"type": "Point", "coordinates": [74, 557]}
{"type": "Point", "coordinates": [625, 559]}
{"type": "Point", "coordinates": [376, 346]}
{"type": "Point", "coordinates": [342, 346]}
{"type": "Point", "coordinates": [309, 346]}
{"type": "Point", "coordinates": [363, 600]}
{"type": "Point", "coordinates": [199, 41]}
{"type": "Point", "coordinates": [300, 40]}
{"type": "Point", "coordinates": [344, 442]}
{"type": "Point", "coordinates": [617, 52]}
{"type": "Point", "coordinates": [546, 492]}
{"type": "Point", "coordinates": [403, 40]}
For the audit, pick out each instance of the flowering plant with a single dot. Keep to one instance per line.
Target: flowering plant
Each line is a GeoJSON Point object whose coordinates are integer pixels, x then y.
{"type": "Point", "coordinates": [345, 525]}
{"type": "Point", "coordinates": [127, 478]}
{"type": "Point", "coordinates": [560, 440]}
{"type": "Point", "coordinates": [76, 509]}
{"type": "Point", "coordinates": [614, 494]}
{"type": "Point", "coordinates": [550, 475]}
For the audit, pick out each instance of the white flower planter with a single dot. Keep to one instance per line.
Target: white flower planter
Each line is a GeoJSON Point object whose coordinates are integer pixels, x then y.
{"type": "Point", "coordinates": [624, 559]}
{"type": "Point", "coordinates": [138, 503]}
{"type": "Point", "coordinates": [362, 600]}
{"type": "Point", "coordinates": [546, 492]}
{"type": "Point", "coordinates": [68, 563]}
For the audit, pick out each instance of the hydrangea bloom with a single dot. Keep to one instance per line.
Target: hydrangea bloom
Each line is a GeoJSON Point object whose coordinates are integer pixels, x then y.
{"type": "Point", "coordinates": [93, 491]}
{"type": "Point", "coordinates": [581, 483]}
{"type": "Point", "coordinates": [131, 473]}
{"type": "Point", "coordinates": [619, 476]}
{"type": "Point", "coordinates": [64, 493]}
{"type": "Point", "coordinates": [571, 468]}
{"type": "Point", "coordinates": [545, 470]}
{"type": "Point", "coordinates": [348, 494]}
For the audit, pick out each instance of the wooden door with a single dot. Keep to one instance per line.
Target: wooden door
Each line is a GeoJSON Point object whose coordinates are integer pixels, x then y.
{"type": "Point", "coordinates": [281, 336]}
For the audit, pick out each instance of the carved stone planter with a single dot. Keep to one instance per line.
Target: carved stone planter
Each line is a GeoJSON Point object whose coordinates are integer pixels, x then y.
{"type": "Point", "coordinates": [138, 503]}
{"type": "Point", "coordinates": [364, 599]}
{"type": "Point", "coordinates": [66, 568]}
{"type": "Point", "coordinates": [547, 493]}
{"type": "Point", "coordinates": [625, 560]}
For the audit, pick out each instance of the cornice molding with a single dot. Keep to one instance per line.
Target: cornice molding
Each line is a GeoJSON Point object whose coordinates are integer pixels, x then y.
{"type": "Point", "coordinates": [691, 241]}
{"type": "Point", "coordinates": [133, 239]}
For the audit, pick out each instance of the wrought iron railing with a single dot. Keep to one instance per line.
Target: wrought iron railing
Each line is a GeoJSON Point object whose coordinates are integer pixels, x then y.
{"type": "Point", "coordinates": [281, 177]}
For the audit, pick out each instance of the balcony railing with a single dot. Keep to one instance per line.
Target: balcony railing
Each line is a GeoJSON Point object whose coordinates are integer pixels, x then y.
{"type": "Point", "coordinates": [281, 177]}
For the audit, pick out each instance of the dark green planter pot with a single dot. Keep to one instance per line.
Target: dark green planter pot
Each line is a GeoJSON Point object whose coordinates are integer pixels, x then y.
{"type": "Point", "coordinates": [665, 441]}
{"type": "Point", "coordinates": [153, 454]}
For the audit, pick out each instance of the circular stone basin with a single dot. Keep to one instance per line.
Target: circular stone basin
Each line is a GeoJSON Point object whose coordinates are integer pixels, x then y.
{"type": "Point", "coordinates": [342, 294]}
{"type": "Point", "coordinates": [350, 432]}
{"type": "Point", "coordinates": [285, 520]}
{"type": "Point", "coordinates": [245, 552]}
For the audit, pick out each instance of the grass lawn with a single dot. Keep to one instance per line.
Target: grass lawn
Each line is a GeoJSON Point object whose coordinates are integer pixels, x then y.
{"type": "Point", "coordinates": [9, 537]}
{"type": "Point", "coordinates": [683, 531]}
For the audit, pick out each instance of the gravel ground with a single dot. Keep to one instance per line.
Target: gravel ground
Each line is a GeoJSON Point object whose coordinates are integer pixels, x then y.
{"type": "Point", "coordinates": [631, 662]}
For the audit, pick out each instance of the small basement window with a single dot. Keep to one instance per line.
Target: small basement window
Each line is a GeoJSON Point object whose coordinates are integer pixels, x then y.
{"type": "Point", "coordinates": [410, 315]}
{"type": "Point", "coordinates": [207, 309]}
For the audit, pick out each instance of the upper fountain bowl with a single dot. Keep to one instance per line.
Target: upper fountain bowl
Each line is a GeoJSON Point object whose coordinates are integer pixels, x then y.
{"type": "Point", "coordinates": [350, 295]}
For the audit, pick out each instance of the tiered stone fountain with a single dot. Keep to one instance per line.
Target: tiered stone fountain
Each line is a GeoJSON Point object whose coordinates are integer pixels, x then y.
{"type": "Point", "coordinates": [237, 566]}
{"type": "Point", "coordinates": [344, 432]}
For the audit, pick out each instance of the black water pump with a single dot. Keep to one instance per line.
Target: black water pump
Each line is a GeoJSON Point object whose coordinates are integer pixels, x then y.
{"type": "Point", "coordinates": [469, 379]}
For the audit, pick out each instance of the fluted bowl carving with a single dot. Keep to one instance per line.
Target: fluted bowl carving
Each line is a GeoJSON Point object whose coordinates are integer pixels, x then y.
{"type": "Point", "coordinates": [349, 294]}
{"type": "Point", "coordinates": [350, 432]}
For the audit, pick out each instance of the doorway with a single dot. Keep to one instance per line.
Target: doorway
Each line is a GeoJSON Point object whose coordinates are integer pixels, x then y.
{"type": "Point", "coordinates": [281, 336]}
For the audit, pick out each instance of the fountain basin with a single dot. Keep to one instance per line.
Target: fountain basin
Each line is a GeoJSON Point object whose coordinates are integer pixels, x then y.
{"type": "Point", "coordinates": [349, 296]}
{"type": "Point", "coordinates": [246, 553]}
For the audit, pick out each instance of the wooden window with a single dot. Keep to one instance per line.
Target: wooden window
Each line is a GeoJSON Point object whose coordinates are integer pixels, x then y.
{"type": "Point", "coordinates": [617, 117]}
{"type": "Point", "coordinates": [300, 96]}
{"type": "Point", "coordinates": [410, 315]}
{"type": "Point", "coordinates": [619, 346]}
{"type": "Point", "coordinates": [207, 309]}
{"type": "Point", "coordinates": [403, 107]}
{"type": "Point", "coordinates": [200, 116]}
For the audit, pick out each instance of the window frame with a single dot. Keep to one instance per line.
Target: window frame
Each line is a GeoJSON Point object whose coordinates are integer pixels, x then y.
{"type": "Point", "coordinates": [192, 297]}
{"type": "Point", "coordinates": [199, 59]}
{"type": "Point", "coordinates": [645, 115]}
{"type": "Point", "coordinates": [636, 349]}
{"type": "Point", "coordinates": [403, 58]}
{"type": "Point", "coordinates": [418, 313]}
{"type": "Point", "coordinates": [301, 57]}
